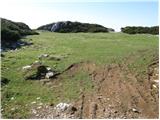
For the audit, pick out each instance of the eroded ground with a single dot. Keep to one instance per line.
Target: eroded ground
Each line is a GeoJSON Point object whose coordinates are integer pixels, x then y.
{"type": "Point", "coordinates": [100, 75]}
{"type": "Point", "coordinates": [117, 93]}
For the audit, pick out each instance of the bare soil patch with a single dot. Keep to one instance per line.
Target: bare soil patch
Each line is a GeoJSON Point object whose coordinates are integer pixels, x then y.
{"type": "Point", "coordinates": [117, 93]}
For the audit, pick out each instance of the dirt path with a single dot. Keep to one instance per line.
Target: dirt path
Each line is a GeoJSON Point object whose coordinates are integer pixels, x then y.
{"type": "Point", "coordinates": [117, 93]}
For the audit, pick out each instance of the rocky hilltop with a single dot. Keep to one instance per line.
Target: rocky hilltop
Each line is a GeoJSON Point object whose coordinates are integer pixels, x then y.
{"type": "Point", "coordinates": [68, 26]}
{"type": "Point", "coordinates": [11, 32]}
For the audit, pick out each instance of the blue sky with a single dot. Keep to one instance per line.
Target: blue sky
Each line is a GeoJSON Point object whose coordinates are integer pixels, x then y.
{"type": "Point", "coordinates": [114, 14]}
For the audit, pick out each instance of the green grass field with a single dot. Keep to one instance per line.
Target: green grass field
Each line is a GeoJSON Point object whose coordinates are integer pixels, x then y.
{"type": "Point", "coordinates": [99, 48]}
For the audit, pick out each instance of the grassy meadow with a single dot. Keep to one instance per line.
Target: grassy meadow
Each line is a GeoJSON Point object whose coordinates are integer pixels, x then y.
{"type": "Point", "coordinates": [99, 48]}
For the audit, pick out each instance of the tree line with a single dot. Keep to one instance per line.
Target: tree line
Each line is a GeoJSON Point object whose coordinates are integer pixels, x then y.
{"type": "Point", "coordinates": [141, 30]}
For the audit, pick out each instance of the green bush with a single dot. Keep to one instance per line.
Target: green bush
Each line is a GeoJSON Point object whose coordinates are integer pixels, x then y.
{"type": "Point", "coordinates": [13, 31]}
{"type": "Point", "coordinates": [141, 30]}
{"type": "Point", "coordinates": [9, 35]}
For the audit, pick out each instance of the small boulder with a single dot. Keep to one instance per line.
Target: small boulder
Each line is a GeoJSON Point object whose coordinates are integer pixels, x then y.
{"type": "Point", "coordinates": [154, 86]}
{"type": "Point", "coordinates": [43, 56]}
{"type": "Point", "coordinates": [156, 81]}
{"type": "Point", "coordinates": [26, 67]}
{"type": "Point", "coordinates": [49, 75]}
{"type": "Point", "coordinates": [135, 110]}
{"type": "Point", "coordinates": [62, 106]}
{"type": "Point", "coordinates": [36, 72]}
{"type": "Point", "coordinates": [36, 63]}
{"type": "Point", "coordinates": [49, 69]}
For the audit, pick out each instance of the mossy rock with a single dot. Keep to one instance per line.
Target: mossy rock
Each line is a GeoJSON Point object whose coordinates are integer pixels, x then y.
{"type": "Point", "coordinates": [35, 73]}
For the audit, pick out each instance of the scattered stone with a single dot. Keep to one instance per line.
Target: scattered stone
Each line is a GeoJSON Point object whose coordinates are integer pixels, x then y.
{"type": "Point", "coordinates": [12, 109]}
{"type": "Point", "coordinates": [40, 104]}
{"type": "Point", "coordinates": [34, 111]}
{"type": "Point", "coordinates": [156, 81]}
{"type": "Point", "coordinates": [38, 98]}
{"type": "Point", "coordinates": [108, 99]}
{"type": "Point", "coordinates": [62, 106]}
{"type": "Point", "coordinates": [39, 107]}
{"type": "Point", "coordinates": [37, 63]}
{"type": "Point", "coordinates": [43, 56]}
{"type": "Point", "coordinates": [100, 97]}
{"type": "Point", "coordinates": [157, 74]}
{"type": "Point", "coordinates": [135, 110]}
{"type": "Point", "coordinates": [49, 69]}
{"type": "Point", "coordinates": [12, 98]}
{"type": "Point", "coordinates": [47, 106]}
{"type": "Point", "coordinates": [33, 102]}
{"type": "Point", "coordinates": [36, 72]}
{"type": "Point", "coordinates": [26, 67]}
{"type": "Point", "coordinates": [154, 86]}
{"type": "Point", "coordinates": [109, 105]}
{"type": "Point", "coordinates": [49, 75]}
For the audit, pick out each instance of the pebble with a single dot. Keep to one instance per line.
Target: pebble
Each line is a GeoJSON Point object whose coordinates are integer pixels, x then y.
{"type": "Point", "coordinates": [26, 67]}
{"type": "Point", "coordinates": [62, 106]}
{"type": "Point", "coordinates": [34, 111]}
{"type": "Point", "coordinates": [40, 103]}
{"type": "Point", "coordinates": [38, 98]}
{"type": "Point", "coordinates": [49, 75]}
{"type": "Point", "coordinates": [100, 97]}
{"type": "Point", "coordinates": [157, 81]}
{"type": "Point", "coordinates": [36, 61]}
{"type": "Point", "coordinates": [43, 56]}
{"type": "Point", "coordinates": [48, 68]}
{"type": "Point", "coordinates": [33, 102]}
{"type": "Point", "coordinates": [157, 74]}
{"type": "Point", "coordinates": [39, 107]}
{"type": "Point", "coordinates": [47, 106]}
{"type": "Point", "coordinates": [12, 109]}
{"type": "Point", "coordinates": [12, 98]}
{"type": "Point", "coordinates": [154, 86]}
{"type": "Point", "coordinates": [134, 110]}
{"type": "Point", "coordinates": [108, 98]}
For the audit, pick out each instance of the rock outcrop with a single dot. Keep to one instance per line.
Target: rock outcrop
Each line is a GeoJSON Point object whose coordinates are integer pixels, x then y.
{"type": "Point", "coordinates": [11, 32]}
{"type": "Point", "coordinates": [68, 26]}
{"type": "Point", "coordinates": [37, 71]}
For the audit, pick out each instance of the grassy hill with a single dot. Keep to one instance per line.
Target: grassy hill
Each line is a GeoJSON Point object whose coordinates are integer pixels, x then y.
{"type": "Point", "coordinates": [73, 27]}
{"type": "Point", "coordinates": [11, 32]}
{"type": "Point", "coordinates": [19, 95]}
